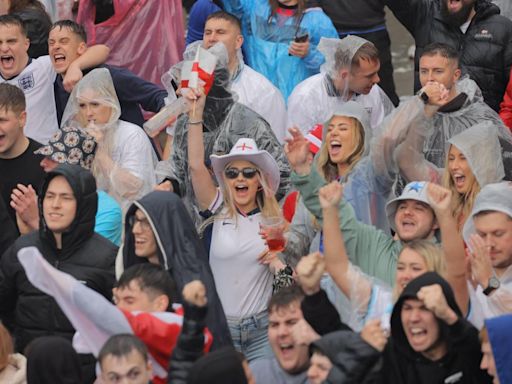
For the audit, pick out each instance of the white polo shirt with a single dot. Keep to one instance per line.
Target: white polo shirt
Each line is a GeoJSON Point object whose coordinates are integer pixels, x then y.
{"type": "Point", "coordinates": [36, 81]}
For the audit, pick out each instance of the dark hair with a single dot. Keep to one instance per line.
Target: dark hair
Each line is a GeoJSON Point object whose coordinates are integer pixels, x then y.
{"type": "Point", "coordinates": [12, 98]}
{"type": "Point", "coordinates": [226, 16]}
{"type": "Point", "coordinates": [442, 50]}
{"type": "Point", "coordinates": [367, 52]}
{"type": "Point", "coordinates": [489, 211]}
{"type": "Point", "coordinates": [122, 345]}
{"type": "Point", "coordinates": [73, 26]}
{"type": "Point", "coordinates": [13, 20]}
{"type": "Point", "coordinates": [284, 297]}
{"type": "Point", "coordinates": [152, 279]}
{"type": "Point", "coordinates": [301, 7]}
{"type": "Point", "coordinates": [21, 5]}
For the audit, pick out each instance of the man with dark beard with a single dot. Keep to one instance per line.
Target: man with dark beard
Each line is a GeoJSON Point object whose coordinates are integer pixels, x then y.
{"type": "Point", "coordinates": [474, 28]}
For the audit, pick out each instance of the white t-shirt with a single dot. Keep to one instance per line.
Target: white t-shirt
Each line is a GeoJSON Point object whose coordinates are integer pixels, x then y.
{"type": "Point", "coordinates": [36, 81]}
{"type": "Point", "coordinates": [310, 104]}
{"type": "Point", "coordinates": [256, 92]}
{"type": "Point", "coordinates": [244, 285]}
{"type": "Point", "coordinates": [498, 303]}
{"type": "Point", "coordinates": [133, 152]}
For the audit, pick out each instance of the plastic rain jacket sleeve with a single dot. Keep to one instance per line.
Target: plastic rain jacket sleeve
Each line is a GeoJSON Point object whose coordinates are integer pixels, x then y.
{"type": "Point", "coordinates": [301, 235]}
{"type": "Point", "coordinates": [147, 54]}
{"type": "Point", "coordinates": [225, 121]}
{"type": "Point", "coordinates": [267, 41]}
{"type": "Point", "coordinates": [448, 124]}
{"type": "Point", "coordinates": [128, 171]}
{"type": "Point", "coordinates": [373, 250]}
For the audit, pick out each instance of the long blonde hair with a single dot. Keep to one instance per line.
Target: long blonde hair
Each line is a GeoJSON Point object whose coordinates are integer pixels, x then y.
{"type": "Point", "coordinates": [326, 167]}
{"type": "Point", "coordinates": [265, 200]}
{"type": "Point", "coordinates": [431, 253]}
{"type": "Point", "coordinates": [462, 203]}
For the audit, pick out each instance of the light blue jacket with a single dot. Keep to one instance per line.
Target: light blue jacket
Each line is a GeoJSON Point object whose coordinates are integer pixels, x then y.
{"type": "Point", "coordinates": [267, 41]}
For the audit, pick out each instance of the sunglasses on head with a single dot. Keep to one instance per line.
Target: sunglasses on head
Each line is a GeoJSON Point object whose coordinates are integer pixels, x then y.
{"type": "Point", "coordinates": [248, 173]}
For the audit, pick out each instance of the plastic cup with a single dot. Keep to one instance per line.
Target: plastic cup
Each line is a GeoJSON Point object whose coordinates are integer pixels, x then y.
{"type": "Point", "coordinates": [273, 227]}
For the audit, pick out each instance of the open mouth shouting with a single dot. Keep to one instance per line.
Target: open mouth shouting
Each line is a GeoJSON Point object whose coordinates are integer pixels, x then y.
{"type": "Point", "coordinates": [7, 61]}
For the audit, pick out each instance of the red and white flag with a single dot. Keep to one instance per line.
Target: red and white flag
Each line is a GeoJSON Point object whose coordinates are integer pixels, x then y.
{"type": "Point", "coordinates": [199, 71]}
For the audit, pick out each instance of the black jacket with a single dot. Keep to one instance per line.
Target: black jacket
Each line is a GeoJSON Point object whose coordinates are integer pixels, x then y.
{"type": "Point", "coordinates": [485, 49]}
{"type": "Point", "coordinates": [353, 360]}
{"type": "Point", "coordinates": [8, 232]}
{"type": "Point", "coordinates": [38, 25]}
{"type": "Point", "coordinates": [403, 365]}
{"type": "Point", "coordinates": [180, 251]}
{"type": "Point", "coordinates": [85, 255]}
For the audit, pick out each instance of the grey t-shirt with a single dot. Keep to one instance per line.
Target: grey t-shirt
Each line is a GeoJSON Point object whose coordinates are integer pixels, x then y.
{"type": "Point", "coordinates": [267, 371]}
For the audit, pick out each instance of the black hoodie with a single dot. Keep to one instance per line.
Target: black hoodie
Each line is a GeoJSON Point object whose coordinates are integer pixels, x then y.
{"type": "Point", "coordinates": [180, 251]}
{"type": "Point", "coordinates": [461, 364]}
{"type": "Point", "coordinates": [85, 255]}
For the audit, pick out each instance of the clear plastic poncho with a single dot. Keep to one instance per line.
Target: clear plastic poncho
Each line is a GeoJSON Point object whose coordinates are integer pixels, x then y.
{"type": "Point", "coordinates": [423, 138]}
{"type": "Point", "coordinates": [313, 100]}
{"type": "Point", "coordinates": [495, 197]}
{"type": "Point", "coordinates": [147, 54]}
{"type": "Point", "coordinates": [125, 160]}
{"type": "Point", "coordinates": [267, 39]}
{"type": "Point", "coordinates": [249, 88]}
{"type": "Point", "coordinates": [224, 122]}
{"type": "Point", "coordinates": [363, 188]}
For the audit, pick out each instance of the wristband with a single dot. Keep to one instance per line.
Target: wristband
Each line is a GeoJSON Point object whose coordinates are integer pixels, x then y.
{"type": "Point", "coordinates": [195, 122]}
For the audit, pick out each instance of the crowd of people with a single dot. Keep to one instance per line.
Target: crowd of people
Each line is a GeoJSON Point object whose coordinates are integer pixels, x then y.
{"type": "Point", "coordinates": [292, 220]}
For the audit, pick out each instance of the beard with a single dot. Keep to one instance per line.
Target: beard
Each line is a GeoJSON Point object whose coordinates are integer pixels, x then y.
{"type": "Point", "coordinates": [458, 18]}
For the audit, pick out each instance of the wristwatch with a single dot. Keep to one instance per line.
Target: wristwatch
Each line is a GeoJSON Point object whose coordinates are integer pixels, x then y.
{"type": "Point", "coordinates": [424, 97]}
{"type": "Point", "coordinates": [493, 284]}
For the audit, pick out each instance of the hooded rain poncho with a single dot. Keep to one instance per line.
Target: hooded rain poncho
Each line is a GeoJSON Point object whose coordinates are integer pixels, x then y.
{"type": "Point", "coordinates": [125, 145]}
{"type": "Point", "coordinates": [313, 101]}
{"type": "Point", "coordinates": [225, 121]}
{"type": "Point", "coordinates": [268, 37]}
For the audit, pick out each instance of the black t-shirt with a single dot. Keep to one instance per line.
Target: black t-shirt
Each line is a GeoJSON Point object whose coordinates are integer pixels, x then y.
{"type": "Point", "coordinates": [24, 169]}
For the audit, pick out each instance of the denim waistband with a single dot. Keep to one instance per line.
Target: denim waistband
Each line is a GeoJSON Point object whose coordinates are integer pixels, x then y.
{"type": "Point", "coordinates": [377, 28]}
{"type": "Point", "coordinates": [253, 318]}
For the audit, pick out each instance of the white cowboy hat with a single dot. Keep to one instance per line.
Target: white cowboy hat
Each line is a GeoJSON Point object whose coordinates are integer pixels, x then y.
{"type": "Point", "coordinates": [246, 149]}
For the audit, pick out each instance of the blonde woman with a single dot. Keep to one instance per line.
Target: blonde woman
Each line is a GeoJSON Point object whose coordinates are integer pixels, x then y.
{"type": "Point", "coordinates": [344, 156]}
{"type": "Point", "coordinates": [368, 297]}
{"type": "Point", "coordinates": [474, 160]}
{"type": "Point", "coordinates": [248, 179]}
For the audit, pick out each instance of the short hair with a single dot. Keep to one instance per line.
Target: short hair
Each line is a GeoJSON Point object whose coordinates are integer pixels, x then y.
{"type": "Point", "coordinates": [367, 52]}
{"type": "Point", "coordinates": [284, 297]}
{"type": "Point", "coordinates": [122, 345]}
{"type": "Point", "coordinates": [484, 335]}
{"type": "Point", "coordinates": [6, 346]}
{"type": "Point", "coordinates": [73, 26]}
{"type": "Point", "coordinates": [152, 279]}
{"type": "Point", "coordinates": [223, 15]}
{"type": "Point", "coordinates": [443, 50]}
{"type": "Point", "coordinates": [489, 211]}
{"type": "Point", "coordinates": [10, 20]}
{"type": "Point", "coordinates": [12, 98]}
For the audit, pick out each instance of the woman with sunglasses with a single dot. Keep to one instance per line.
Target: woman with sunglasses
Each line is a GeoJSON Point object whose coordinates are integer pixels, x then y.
{"type": "Point", "coordinates": [243, 271]}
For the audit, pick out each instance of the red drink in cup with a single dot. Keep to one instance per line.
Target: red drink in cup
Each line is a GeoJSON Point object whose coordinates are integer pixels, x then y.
{"type": "Point", "coordinates": [273, 227]}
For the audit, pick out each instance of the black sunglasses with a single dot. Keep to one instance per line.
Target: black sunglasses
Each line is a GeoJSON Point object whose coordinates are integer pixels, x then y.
{"type": "Point", "coordinates": [248, 173]}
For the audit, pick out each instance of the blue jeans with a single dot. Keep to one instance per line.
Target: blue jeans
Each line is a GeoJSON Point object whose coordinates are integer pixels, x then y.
{"type": "Point", "coordinates": [250, 336]}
